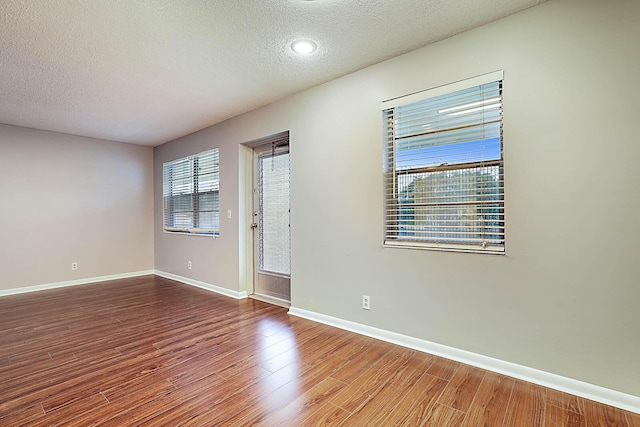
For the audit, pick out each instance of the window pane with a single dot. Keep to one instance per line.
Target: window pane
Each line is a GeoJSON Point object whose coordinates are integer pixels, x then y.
{"type": "Point", "coordinates": [182, 220]}
{"type": "Point", "coordinates": [457, 128]}
{"type": "Point", "coordinates": [451, 206]}
{"type": "Point", "coordinates": [274, 237]}
{"type": "Point", "coordinates": [468, 107]}
{"type": "Point", "coordinates": [178, 177]}
{"type": "Point", "coordinates": [451, 154]}
{"type": "Point", "coordinates": [209, 210]}
{"type": "Point", "coordinates": [209, 220]}
{"type": "Point", "coordinates": [208, 182]}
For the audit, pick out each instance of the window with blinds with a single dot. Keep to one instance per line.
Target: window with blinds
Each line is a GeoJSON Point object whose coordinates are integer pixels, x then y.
{"type": "Point", "coordinates": [443, 167]}
{"type": "Point", "coordinates": [191, 194]}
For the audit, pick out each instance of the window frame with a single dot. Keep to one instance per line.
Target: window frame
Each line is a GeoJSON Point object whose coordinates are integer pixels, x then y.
{"type": "Point", "coordinates": [392, 173]}
{"type": "Point", "coordinates": [193, 183]}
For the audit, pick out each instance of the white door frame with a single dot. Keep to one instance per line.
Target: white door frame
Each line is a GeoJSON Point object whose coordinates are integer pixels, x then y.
{"type": "Point", "coordinates": [245, 215]}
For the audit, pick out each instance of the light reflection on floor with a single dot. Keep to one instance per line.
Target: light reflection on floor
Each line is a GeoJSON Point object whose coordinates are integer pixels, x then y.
{"type": "Point", "coordinates": [278, 353]}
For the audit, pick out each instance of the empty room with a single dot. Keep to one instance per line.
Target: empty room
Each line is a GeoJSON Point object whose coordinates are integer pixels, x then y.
{"type": "Point", "coordinates": [319, 212]}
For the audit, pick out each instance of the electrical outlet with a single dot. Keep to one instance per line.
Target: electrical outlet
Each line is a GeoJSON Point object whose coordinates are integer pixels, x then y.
{"type": "Point", "coordinates": [366, 302]}
{"type": "Point", "coordinates": [228, 213]}
{"type": "Point", "coordinates": [189, 265]}
{"type": "Point", "coordinates": [74, 266]}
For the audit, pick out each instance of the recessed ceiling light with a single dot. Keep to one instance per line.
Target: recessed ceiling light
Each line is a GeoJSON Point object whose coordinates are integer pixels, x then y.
{"type": "Point", "coordinates": [303, 46]}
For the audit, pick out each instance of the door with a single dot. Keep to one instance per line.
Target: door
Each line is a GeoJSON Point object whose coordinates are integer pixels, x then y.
{"type": "Point", "coordinates": [272, 230]}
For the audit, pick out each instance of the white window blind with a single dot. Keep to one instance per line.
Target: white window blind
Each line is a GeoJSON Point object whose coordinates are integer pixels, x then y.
{"type": "Point", "coordinates": [191, 193]}
{"type": "Point", "coordinates": [274, 206]}
{"type": "Point", "coordinates": [444, 178]}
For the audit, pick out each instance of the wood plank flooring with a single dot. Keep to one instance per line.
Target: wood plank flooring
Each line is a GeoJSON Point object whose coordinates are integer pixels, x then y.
{"type": "Point", "coordinates": [151, 351]}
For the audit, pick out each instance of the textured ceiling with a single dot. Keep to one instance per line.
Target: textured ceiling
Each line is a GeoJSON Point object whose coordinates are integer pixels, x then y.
{"type": "Point", "coordinates": [149, 71]}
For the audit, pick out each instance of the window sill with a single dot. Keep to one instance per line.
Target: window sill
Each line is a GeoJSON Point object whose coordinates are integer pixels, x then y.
{"type": "Point", "coordinates": [444, 247]}
{"type": "Point", "coordinates": [187, 232]}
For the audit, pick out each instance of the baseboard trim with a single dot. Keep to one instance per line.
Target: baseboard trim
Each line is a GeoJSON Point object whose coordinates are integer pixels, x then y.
{"type": "Point", "coordinates": [47, 286]}
{"type": "Point", "coordinates": [202, 285]}
{"type": "Point", "coordinates": [568, 385]}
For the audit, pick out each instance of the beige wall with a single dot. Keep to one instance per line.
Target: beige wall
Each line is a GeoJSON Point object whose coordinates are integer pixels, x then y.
{"type": "Point", "coordinates": [71, 199]}
{"type": "Point", "coordinates": [214, 260]}
{"type": "Point", "coordinates": [565, 297]}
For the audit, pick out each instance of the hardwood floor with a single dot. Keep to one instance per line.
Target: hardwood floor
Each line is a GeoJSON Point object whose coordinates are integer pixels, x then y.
{"type": "Point", "coordinates": [151, 351]}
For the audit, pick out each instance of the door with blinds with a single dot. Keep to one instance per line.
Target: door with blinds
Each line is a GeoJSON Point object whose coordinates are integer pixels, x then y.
{"type": "Point", "coordinates": [272, 230]}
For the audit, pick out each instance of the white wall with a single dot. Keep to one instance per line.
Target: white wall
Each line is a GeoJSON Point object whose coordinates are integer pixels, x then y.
{"type": "Point", "coordinates": [564, 298]}
{"type": "Point", "coordinates": [67, 199]}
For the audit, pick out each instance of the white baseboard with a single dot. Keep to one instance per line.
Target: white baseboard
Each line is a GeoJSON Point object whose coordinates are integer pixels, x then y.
{"type": "Point", "coordinates": [202, 285]}
{"type": "Point", "coordinates": [25, 289]}
{"type": "Point", "coordinates": [568, 385]}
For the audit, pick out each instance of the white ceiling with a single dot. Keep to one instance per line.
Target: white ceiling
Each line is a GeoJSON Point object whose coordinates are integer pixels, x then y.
{"type": "Point", "coordinates": [149, 71]}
